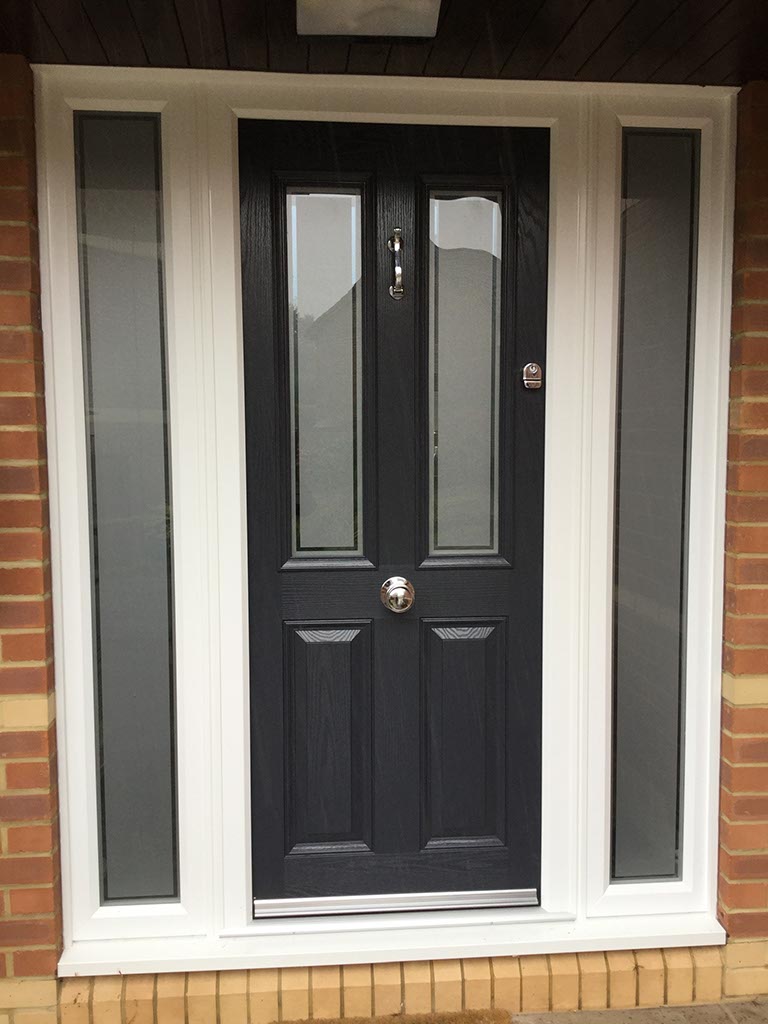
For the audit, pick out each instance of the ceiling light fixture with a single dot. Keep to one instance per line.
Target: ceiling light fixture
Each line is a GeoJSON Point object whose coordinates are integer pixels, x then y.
{"type": "Point", "coordinates": [367, 17]}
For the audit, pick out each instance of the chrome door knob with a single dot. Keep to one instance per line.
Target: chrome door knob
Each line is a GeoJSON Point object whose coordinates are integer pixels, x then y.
{"type": "Point", "coordinates": [397, 594]}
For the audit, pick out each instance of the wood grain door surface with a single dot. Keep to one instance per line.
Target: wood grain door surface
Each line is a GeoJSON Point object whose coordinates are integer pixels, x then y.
{"type": "Point", "coordinates": [394, 753]}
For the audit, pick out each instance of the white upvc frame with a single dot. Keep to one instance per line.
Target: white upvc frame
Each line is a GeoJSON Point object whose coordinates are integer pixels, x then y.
{"type": "Point", "coordinates": [703, 645]}
{"type": "Point", "coordinates": [211, 926]}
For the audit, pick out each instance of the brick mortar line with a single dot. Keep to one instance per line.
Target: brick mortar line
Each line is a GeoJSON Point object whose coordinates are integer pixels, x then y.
{"type": "Point", "coordinates": [22, 531]}
{"type": "Point", "coordinates": [27, 563]}
{"type": "Point", "coordinates": [761, 851]}
{"type": "Point", "coordinates": [24, 759]}
{"type": "Point", "coordinates": [38, 597]}
{"type": "Point", "coordinates": [745, 938]}
{"type": "Point", "coordinates": [12, 665]}
{"type": "Point", "coordinates": [40, 496]}
{"type": "Point", "coordinates": [20, 567]}
{"type": "Point", "coordinates": [48, 822]}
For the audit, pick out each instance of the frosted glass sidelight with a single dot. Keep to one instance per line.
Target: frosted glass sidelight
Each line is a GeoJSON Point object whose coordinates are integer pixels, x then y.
{"type": "Point", "coordinates": [119, 208]}
{"type": "Point", "coordinates": [464, 346]}
{"type": "Point", "coordinates": [652, 466]}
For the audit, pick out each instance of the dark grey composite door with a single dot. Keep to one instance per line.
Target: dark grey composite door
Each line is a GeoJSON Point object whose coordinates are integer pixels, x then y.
{"type": "Point", "coordinates": [394, 287]}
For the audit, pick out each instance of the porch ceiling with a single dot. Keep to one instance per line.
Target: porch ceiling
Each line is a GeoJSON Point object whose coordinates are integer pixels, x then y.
{"type": "Point", "coordinates": [699, 41]}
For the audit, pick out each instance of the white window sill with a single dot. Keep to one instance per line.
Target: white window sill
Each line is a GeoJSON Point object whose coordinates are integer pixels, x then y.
{"type": "Point", "coordinates": [371, 940]}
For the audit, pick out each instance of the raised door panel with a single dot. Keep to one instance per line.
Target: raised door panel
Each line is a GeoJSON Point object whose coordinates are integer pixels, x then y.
{"type": "Point", "coordinates": [464, 733]}
{"type": "Point", "coordinates": [328, 732]}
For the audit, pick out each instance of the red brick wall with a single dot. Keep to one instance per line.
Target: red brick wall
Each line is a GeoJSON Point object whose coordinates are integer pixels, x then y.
{"type": "Point", "coordinates": [29, 891]}
{"type": "Point", "coordinates": [744, 807]}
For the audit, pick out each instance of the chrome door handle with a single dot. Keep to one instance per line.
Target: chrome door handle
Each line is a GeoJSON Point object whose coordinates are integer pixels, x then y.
{"type": "Point", "coordinates": [397, 594]}
{"type": "Point", "coordinates": [395, 246]}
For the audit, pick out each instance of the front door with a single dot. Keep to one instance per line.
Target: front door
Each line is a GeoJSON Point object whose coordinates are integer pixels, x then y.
{"type": "Point", "coordinates": [394, 290]}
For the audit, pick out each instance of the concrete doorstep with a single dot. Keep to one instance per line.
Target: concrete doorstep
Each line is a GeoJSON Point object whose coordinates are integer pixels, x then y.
{"type": "Point", "coordinates": [754, 1012]}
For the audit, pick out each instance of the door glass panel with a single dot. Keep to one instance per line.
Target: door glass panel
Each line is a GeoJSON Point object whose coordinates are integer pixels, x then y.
{"type": "Point", "coordinates": [119, 213]}
{"type": "Point", "coordinates": [464, 345]}
{"type": "Point", "coordinates": [324, 247]}
{"type": "Point", "coordinates": [652, 466]}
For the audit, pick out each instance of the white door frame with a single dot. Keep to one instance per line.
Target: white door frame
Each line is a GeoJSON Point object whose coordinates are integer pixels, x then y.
{"type": "Point", "coordinates": [580, 909]}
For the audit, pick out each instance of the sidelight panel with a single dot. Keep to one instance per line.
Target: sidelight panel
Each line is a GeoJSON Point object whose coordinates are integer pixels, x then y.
{"type": "Point", "coordinates": [119, 212]}
{"type": "Point", "coordinates": [652, 466]}
{"type": "Point", "coordinates": [324, 258]}
{"type": "Point", "coordinates": [465, 239]}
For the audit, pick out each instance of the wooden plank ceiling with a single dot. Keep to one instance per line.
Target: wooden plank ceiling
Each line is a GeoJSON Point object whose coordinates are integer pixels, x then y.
{"type": "Point", "coordinates": [708, 42]}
